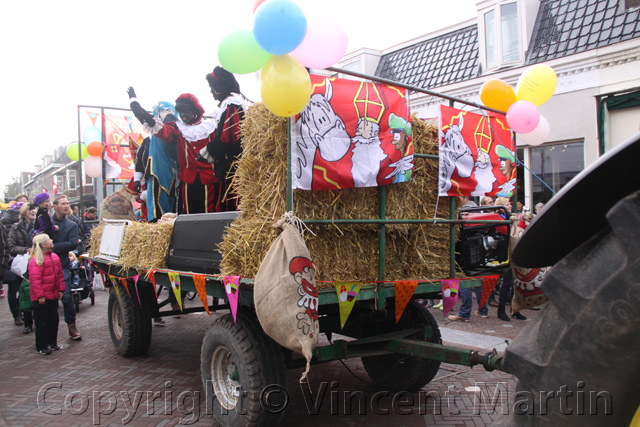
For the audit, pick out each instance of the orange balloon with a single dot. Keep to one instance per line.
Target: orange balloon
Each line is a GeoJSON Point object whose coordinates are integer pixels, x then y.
{"type": "Point", "coordinates": [94, 148]}
{"type": "Point", "coordinates": [497, 94]}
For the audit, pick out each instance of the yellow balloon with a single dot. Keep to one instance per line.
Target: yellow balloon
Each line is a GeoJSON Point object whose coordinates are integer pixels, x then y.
{"type": "Point", "coordinates": [285, 85]}
{"type": "Point", "coordinates": [537, 84]}
{"type": "Point", "coordinates": [497, 94]}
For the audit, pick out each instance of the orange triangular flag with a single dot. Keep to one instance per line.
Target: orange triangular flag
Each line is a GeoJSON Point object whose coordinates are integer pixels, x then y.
{"type": "Point", "coordinates": [126, 286]}
{"type": "Point", "coordinates": [200, 281]}
{"type": "Point", "coordinates": [404, 292]}
{"type": "Point", "coordinates": [488, 285]}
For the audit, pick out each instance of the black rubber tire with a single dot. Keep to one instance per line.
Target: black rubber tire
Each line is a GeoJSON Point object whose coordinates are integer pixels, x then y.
{"type": "Point", "coordinates": [129, 326]}
{"type": "Point", "coordinates": [586, 338]}
{"type": "Point", "coordinates": [76, 302]}
{"type": "Point", "coordinates": [259, 362]}
{"type": "Point", "coordinates": [410, 373]}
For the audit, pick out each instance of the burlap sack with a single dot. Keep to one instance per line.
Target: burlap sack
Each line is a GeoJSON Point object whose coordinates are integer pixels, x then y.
{"type": "Point", "coordinates": [285, 292]}
{"type": "Point", "coordinates": [526, 281]}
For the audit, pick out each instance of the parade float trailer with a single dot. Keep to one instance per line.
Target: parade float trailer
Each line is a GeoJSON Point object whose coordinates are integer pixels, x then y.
{"type": "Point", "coordinates": [398, 352]}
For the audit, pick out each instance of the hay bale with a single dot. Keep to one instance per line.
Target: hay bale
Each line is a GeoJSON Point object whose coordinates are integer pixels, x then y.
{"type": "Point", "coordinates": [345, 252]}
{"type": "Point", "coordinates": [144, 246]}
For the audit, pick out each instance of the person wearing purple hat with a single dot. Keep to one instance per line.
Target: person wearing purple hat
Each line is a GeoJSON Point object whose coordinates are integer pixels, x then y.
{"type": "Point", "coordinates": [43, 222]}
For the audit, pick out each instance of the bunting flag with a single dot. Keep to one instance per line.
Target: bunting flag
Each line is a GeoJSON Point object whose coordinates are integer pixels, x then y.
{"type": "Point", "coordinates": [347, 295]}
{"type": "Point", "coordinates": [352, 134]}
{"type": "Point", "coordinates": [488, 285]}
{"type": "Point", "coordinates": [152, 277]}
{"type": "Point", "coordinates": [404, 292]}
{"type": "Point", "coordinates": [115, 285]}
{"type": "Point", "coordinates": [231, 288]}
{"type": "Point", "coordinates": [450, 289]}
{"type": "Point", "coordinates": [126, 285]}
{"type": "Point", "coordinates": [174, 278]}
{"type": "Point", "coordinates": [200, 281]}
{"type": "Point", "coordinates": [477, 154]}
{"type": "Point", "coordinates": [135, 285]}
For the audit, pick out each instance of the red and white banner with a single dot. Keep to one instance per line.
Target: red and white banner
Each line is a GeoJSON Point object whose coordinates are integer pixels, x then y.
{"type": "Point", "coordinates": [352, 134]}
{"type": "Point", "coordinates": [477, 156]}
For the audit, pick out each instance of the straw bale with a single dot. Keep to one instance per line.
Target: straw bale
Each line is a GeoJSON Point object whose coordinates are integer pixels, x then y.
{"type": "Point", "coordinates": [144, 245]}
{"type": "Point", "coordinates": [340, 252]}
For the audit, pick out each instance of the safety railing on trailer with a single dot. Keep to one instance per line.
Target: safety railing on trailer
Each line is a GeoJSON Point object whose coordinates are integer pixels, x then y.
{"type": "Point", "coordinates": [383, 221]}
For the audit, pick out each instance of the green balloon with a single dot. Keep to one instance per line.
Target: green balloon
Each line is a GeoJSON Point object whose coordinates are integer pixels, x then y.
{"type": "Point", "coordinates": [240, 53]}
{"type": "Point", "coordinates": [72, 151]}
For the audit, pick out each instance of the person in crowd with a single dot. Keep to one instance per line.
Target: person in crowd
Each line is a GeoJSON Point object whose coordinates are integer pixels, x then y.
{"type": "Point", "coordinates": [20, 241]}
{"type": "Point", "coordinates": [43, 222]}
{"type": "Point", "coordinates": [225, 145]}
{"type": "Point", "coordinates": [519, 207]}
{"type": "Point", "coordinates": [65, 240]}
{"type": "Point", "coordinates": [506, 288]}
{"type": "Point", "coordinates": [157, 164]}
{"type": "Point", "coordinates": [10, 217]}
{"type": "Point", "coordinates": [538, 207]}
{"type": "Point", "coordinates": [466, 202]}
{"type": "Point", "coordinates": [47, 287]}
{"type": "Point", "coordinates": [90, 215]}
{"type": "Point", "coordinates": [486, 201]}
{"type": "Point", "coordinates": [201, 191]}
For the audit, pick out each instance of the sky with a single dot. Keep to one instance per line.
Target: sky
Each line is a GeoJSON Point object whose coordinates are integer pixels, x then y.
{"type": "Point", "coordinates": [58, 55]}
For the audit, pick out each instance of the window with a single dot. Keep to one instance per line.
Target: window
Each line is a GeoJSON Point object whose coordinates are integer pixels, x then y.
{"type": "Point", "coordinates": [501, 36]}
{"type": "Point", "coordinates": [72, 178]}
{"type": "Point", "coordinates": [556, 165]}
{"type": "Point", "coordinates": [59, 182]}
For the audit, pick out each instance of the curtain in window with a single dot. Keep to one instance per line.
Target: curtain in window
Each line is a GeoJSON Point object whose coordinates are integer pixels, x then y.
{"type": "Point", "coordinates": [509, 27]}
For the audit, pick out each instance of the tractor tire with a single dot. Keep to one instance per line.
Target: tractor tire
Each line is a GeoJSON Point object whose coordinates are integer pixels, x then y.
{"type": "Point", "coordinates": [408, 373]}
{"type": "Point", "coordinates": [129, 326]}
{"type": "Point", "coordinates": [577, 363]}
{"type": "Point", "coordinates": [243, 373]}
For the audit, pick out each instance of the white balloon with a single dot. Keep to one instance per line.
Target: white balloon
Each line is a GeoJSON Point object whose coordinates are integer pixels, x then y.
{"type": "Point", "coordinates": [93, 166]}
{"type": "Point", "coordinates": [538, 135]}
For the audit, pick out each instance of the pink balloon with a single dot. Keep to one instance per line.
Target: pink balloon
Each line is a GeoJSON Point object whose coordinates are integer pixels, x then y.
{"type": "Point", "coordinates": [523, 116]}
{"type": "Point", "coordinates": [324, 44]}
{"type": "Point", "coordinates": [539, 134]}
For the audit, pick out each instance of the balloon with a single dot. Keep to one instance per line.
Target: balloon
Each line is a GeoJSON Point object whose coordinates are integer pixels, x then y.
{"type": "Point", "coordinates": [285, 86]}
{"type": "Point", "coordinates": [240, 53]}
{"type": "Point", "coordinates": [497, 94]}
{"type": "Point", "coordinates": [523, 116]}
{"type": "Point", "coordinates": [93, 166]}
{"type": "Point", "coordinates": [324, 44]}
{"type": "Point", "coordinates": [72, 151]}
{"type": "Point", "coordinates": [538, 135]}
{"type": "Point", "coordinates": [279, 26]}
{"type": "Point", "coordinates": [91, 133]}
{"type": "Point", "coordinates": [94, 148]}
{"type": "Point", "coordinates": [537, 84]}
{"type": "Point", "coordinates": [257, 4]}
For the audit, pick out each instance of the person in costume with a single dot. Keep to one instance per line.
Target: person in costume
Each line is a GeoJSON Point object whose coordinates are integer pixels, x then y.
{"type": "Point", "coordinates": [508, 169]}
{"type": "Point", "coordinates": [225, 146]}
{"type": "Point", "coordinates": [201, 191]}
{"type": "Point", "coordinates": [157, 164]}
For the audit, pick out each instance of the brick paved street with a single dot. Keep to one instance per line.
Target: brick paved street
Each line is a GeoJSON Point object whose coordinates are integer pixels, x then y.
{"type": "Point", "coordinates": [87, 383]}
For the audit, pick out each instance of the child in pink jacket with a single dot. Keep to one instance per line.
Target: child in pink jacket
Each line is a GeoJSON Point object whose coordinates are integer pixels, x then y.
{"type": "Point", "coordinates": [47, 286]}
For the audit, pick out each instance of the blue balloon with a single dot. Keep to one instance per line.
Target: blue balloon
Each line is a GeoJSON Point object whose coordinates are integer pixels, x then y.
{"type": "Point", "coordinates": [279, 26]}
{"type": "Point", "coordinates": [91, 134]}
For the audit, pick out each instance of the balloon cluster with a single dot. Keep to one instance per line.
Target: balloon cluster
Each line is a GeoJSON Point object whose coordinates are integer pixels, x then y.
{"type": "Point", "coordinates": [535, 87]}
{"type": "Point", "coordinates": [91, 154]}
{"type": "Point", "coordinates": [282, 43]}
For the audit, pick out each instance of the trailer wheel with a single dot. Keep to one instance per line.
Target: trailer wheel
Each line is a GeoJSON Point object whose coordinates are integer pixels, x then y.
{"type": "Point", "coordinates": [408, 373]}
{"type": "Point", "coordinates": [583, 347]}
{"type": "Point", "coordinates": [129, 326]}
{"type": "Point", "coordinates": [243, 373]}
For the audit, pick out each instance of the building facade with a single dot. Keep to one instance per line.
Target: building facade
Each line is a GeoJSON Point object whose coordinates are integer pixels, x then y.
{"type": "Point", "coordinates": [592, 45]}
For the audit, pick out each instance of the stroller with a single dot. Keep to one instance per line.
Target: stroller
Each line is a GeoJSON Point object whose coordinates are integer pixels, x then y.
{"type": "Point", "coordinates": [81, 283]}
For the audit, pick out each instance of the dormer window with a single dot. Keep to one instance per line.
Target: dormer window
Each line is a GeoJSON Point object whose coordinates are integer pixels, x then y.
{"type": "Point", "coordinates": [501, 35]}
